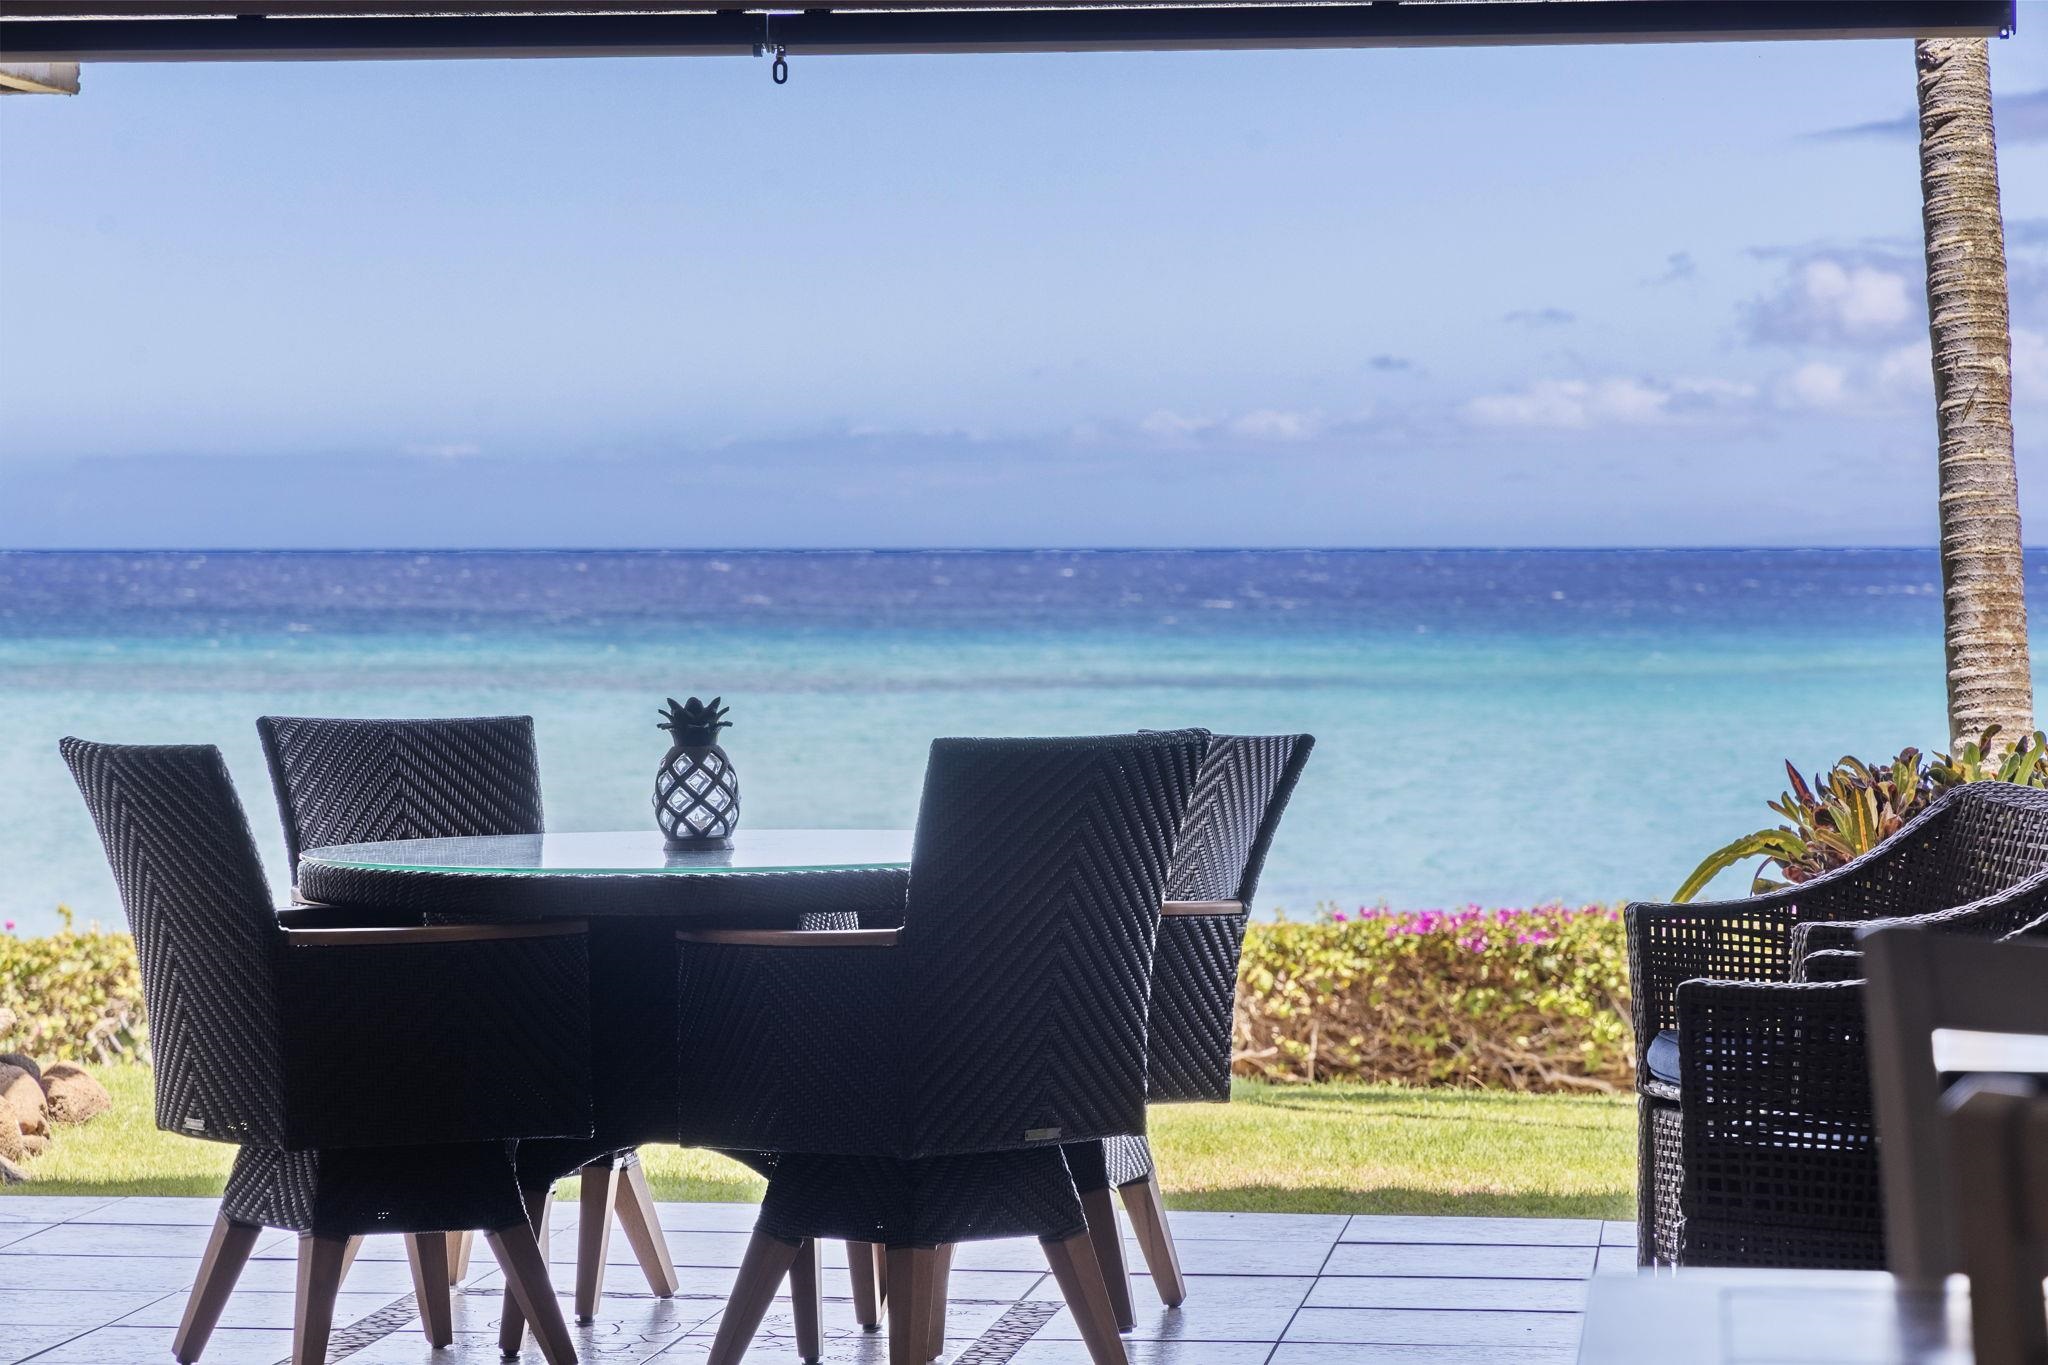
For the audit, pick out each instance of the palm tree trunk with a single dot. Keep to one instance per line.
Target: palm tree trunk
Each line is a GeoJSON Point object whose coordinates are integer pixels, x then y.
{"type": "Point", "coordinates": [1983, 578]}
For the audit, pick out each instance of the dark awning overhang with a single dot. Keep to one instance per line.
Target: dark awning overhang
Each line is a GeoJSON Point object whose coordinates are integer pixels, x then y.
{"type": "Point", "coordinates": [123, 31]}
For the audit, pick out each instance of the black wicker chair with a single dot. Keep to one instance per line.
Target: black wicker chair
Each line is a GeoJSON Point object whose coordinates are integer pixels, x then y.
{"type": "Point", "coordinates": [1756, 1144]}
{"type": "Point", "coordinates": [357, 781]}
{"type": "Point", "coordinates": [1240, 794]}
{"type": "Point", "coordinates": [917, 1083]}
{"type": "Point", "coordinates": [256, 1015]}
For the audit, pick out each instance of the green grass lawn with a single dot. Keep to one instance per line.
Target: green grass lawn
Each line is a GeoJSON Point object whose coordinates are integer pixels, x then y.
{"type": "Point", "coordinates": [1276, 1149]}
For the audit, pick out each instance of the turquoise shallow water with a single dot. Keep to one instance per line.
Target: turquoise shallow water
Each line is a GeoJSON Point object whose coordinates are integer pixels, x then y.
{"type": "Point", "coordinates": [1491, 726]}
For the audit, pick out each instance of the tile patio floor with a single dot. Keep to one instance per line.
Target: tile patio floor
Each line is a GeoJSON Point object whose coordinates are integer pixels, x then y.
{"type": "Point", "coordinates": [104, 1281]}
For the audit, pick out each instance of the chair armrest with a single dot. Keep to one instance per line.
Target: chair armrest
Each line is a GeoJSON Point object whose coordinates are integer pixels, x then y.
{"type": "Point", "coordinates": [488, 1023]}
{"type": "Point", "coordinates": [307, 915]}
{"type": "Point", "coordinates": [1994, 916]}
{"type": "Point", "coordinates": [788, 1041]}
{"type": "Point", "coordinates": [1194, 988]}
{"type": "Point", "coordinates": [793, 938]}
{"type": "Point", "coordinates": [1746, 940]}
{"type": "Point", "coordinates": [1831, 964]}
{"type": "Point", "coordinates": [1200, 908]}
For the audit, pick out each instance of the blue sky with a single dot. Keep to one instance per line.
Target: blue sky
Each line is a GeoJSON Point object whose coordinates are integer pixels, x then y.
{"type": "Point", "coordinates": [1541, 296]}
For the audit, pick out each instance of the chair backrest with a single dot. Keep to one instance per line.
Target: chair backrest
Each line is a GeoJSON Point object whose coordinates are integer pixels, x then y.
{"type": "Point", "coordinates": [1992, 835]}
{"type": "Point", "coordinates": [205, 931]}
{"type": "Point", "coordinates": [360, 781]}
{"type": "Point", "coordinates": [1241, 790]}
{"type": "Point", "coordinates": [1920, 982]}
{"type": "Point", "coordinates": [1035, 883]}
{"type": "Point", "coordinates": [1240, 793]}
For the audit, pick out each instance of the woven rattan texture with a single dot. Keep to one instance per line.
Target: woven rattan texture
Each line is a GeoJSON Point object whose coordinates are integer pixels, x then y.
{"type": "Point", "coordinates": [1971, 845]}
{"type": "Point", "coordinates": [255, 1039]}
{"type": "Point", "coordinates": [1779, 1147]}
{"type": "Point", "coordinates": [922, 1202]}
{"type": "Point", "coordinates": [200, 911]}
{"type": "Point", "coordinates": [1011, 1014]}
{"type": "Point", "coordinates": [1660, 1173]}
{"type": "Point", "coordinates": [360, 781]}
{"type": "Point", "coordinates": [394, 1189]}
{"type": "Point", "coordinates": [1194, 991]}
{"type": "Point", "coordinates": [633, 1061]}
{"type": "Point", "coordinates": [1994, 916]}
{"type": "Point", "coordinates": [1108, 1163]}
{"type": "Point", "coordinates": [497, 1033]}
{"type": "Point", "coordinates": [1240, 794]}
{"type": "Point", "coordinates": [1800, 1188]}
{"type": "Point", "coordinates": [790, 1049]}
{"type": "Point", "coordinates": [1831, 965]}
{"type": "Point", "coordinates": [1036, 878]}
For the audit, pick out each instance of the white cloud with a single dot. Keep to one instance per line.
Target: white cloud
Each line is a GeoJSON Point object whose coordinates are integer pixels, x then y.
{"type": "Point", "coordinates": [1260, 424]}
{"type": "Point", "coordinates": [1577, 404]}
{"type": "Point", "coordinates": [1818, 384]}
{"type": "Point", "coordinates": [1907, 371]}
{"type": "Point", "coordinates": [444, 450]}
{"type": "Point", "coordinates": [1175, 426]}
{"type": "Point", "coordinates": [1839, 299]}
{"type": "Point", "coordinates": [1903, 377]}
{"type": "Point", "coordinates": [1271, 424]}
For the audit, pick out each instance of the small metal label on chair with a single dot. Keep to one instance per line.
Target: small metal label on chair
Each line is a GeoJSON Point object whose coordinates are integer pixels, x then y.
{"type": "Point", "coordinates": [1041, 1134]}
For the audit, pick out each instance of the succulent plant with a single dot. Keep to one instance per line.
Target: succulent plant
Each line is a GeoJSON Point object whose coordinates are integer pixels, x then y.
{"type": "Point", "coordinates": [1854, 806]}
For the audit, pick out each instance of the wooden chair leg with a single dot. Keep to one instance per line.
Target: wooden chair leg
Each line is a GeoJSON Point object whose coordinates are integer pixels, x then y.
{"type": "Point", "coordinates": [860, 1267]}
{"type": "Point", "coordinates": [642, 1226]}
{"type": "Point", "coordinates": [934, 1310]}
{"type": "Point", "coordinates": [348, 1256]}
{"type": "Point", "coordinates": [320, 1261]}
{"type": "Point", "coordinates": [1080, 1280]}
{"type": "Point", "coordinates": [910, 1282]}
{"type": "Point", "coordinates": [227, 1251]}
{"type": "Point", "coordinates": [526, 1276]}
{"type": "Point", "coordinates": [511, 1321]}
{"type": "Point", "coordinates": [1148, 1219]}
{"type": "Point", "coordinates": [594, 1234]}
{"type": "Point", "coordinates": [766, 1261]}
{"type": "Point", "coordinates": [427, 1252]}
{"type": "Point", "coordinates": [1107, 1238]}
{"type": "Point", "coordinates": [807, 1302]}
{"type": "Point", "coordinates": [881, 1275]}
{"type": "Point", "coordinates": [459, 1244]}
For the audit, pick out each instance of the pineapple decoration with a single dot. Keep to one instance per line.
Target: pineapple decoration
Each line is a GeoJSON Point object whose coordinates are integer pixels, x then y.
{"type": "Point", "coordinates": [696, 793]}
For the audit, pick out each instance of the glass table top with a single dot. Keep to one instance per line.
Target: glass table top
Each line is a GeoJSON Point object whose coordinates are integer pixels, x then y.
{"type": "Point", "coordinates": [628, 852]}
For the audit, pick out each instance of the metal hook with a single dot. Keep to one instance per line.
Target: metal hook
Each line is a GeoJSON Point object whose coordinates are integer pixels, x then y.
{"type": "Point", "coordinates": [780, 71]}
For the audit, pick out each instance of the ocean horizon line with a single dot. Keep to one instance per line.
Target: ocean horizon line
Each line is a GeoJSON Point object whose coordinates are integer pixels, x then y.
{"type": "Point", "coordinates": [973, 549]}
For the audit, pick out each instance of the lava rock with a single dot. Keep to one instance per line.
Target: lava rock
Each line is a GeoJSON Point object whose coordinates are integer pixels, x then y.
{"type": "Point", "coordinates": [74, 1096]}
{"type": "Point", "coordinates": [23, 1099]}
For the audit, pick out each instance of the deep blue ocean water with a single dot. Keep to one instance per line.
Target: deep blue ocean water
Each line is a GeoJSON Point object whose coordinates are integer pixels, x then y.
{"type": "Point", "coordinates": [1492, 725]}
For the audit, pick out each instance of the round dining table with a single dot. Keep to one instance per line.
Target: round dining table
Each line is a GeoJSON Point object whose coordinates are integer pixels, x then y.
{"type": "Point", "coordinates": [767, 878]}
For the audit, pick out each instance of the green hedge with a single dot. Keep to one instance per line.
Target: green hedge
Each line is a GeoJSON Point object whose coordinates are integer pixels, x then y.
{"type": "Point", "coordinates": [1529, 999]}
{"type": "Point", "coordinates": [74, 995]}
{"type": "Point", "coordinates": [1524, 999]}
